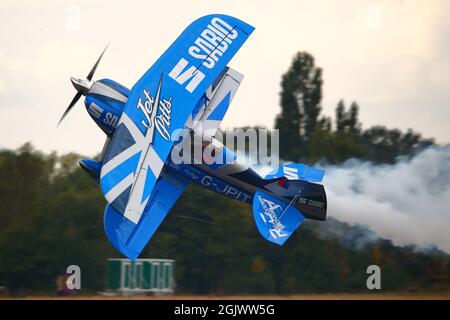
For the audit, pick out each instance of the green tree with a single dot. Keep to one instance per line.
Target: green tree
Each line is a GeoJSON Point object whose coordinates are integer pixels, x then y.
{"type": "Point", "coordinates": [340, 116]}
{"type": "Point", "coordinates": [347, 121]}
{"type": "Point", "coordinates": [301, 94]}
{"type": "Point", "coordinates": [383, 145]}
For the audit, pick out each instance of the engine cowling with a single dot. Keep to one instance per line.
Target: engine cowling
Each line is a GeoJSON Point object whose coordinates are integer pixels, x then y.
{"type": "Point", "coordinates": [105, 102]}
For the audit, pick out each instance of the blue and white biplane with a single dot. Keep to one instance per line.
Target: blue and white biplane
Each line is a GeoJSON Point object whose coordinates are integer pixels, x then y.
{"type": "Point", "coordinates": [189, 87]}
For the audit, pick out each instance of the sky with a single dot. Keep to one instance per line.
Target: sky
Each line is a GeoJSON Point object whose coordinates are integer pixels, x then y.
{"type": "Point", "coordinates": [392, 57]}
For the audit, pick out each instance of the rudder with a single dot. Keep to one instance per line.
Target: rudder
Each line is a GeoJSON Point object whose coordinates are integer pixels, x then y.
{"type": "Point", "coordinates": [275, 219]}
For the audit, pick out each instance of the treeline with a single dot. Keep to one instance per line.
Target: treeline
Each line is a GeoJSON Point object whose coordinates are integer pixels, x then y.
{"type": "Point", "coordinates": [51, 217]}
{"type": "Point", "coordinates": [309, 136]}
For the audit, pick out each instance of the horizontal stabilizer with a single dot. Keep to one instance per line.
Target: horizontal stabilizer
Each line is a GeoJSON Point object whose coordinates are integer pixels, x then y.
{"type": "Point", "coordinates": [297, 171]}
{"type": "Point", "coordinates": [275, 219]}
{"type": "Point", "coordinates": [130, 238]}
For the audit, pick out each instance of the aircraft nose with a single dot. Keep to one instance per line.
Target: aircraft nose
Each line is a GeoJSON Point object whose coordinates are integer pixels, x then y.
{"type": "Point", "coordinates": [81, 85]}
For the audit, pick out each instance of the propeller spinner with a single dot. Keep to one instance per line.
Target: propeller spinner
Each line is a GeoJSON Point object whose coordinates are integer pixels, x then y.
{"type": "Point", "coordinates": [82, 86]}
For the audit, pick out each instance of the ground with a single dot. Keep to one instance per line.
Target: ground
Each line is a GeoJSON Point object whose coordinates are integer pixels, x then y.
{"type": "Point", "coordinates": [323, 296]}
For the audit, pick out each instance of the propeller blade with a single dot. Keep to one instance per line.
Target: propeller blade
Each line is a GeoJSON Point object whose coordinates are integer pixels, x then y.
{"type": "Point", "coordinates": [91, 73]}
{"type": "Point", "coordinates": [72, 103]}
{"type": "Point", "coordinates": [81, 88]}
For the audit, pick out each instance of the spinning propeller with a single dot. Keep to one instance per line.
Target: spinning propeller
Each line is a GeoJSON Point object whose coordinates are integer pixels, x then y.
{"type": "Point", "coordinates": [82, 86]}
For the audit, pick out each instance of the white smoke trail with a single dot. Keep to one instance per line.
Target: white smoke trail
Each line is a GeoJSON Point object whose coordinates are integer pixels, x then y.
{"type": "Point", "coordinates": [407, 202]}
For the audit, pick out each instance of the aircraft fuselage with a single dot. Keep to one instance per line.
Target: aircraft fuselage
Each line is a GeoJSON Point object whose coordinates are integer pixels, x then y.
{"type": "Point", "coordinates": [105, 102]}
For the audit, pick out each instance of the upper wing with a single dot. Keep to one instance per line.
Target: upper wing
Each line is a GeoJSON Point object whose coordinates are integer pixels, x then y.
{"type": "Point", "coordinates": [163, 99]}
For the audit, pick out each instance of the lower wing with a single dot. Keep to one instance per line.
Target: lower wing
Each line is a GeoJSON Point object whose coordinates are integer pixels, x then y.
{"type": "Point", "coordinates": [130, 238]}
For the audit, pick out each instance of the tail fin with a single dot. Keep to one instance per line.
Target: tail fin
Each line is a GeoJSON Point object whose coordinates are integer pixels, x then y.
{"type": "Point", "coordinates": [300, 181]}
{"type": "Point", "coordinates": [275, 219]}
